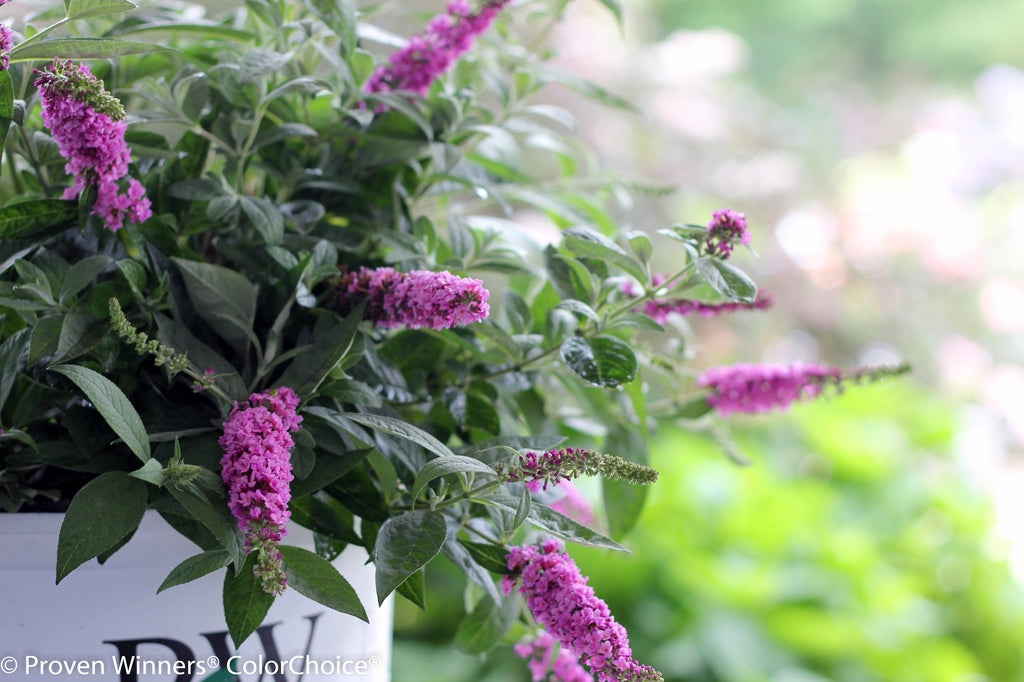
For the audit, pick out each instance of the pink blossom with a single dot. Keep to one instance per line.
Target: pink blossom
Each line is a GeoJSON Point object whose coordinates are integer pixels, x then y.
{"type": "Point", "coordinates": [539, 652]}
{"type": "Point", "coordinates": [257, 470]}
{"type": "Point", "coordinates": [88, 125]}
{"type": "Point", "coordinates": [6, 45]}
{"type": "Point", "coordinates": [420, 298]}
{"type": "Point", "coordinates": [565, 606]}
{"type": "Point", "coordinates": [727, 227]}
{"type": "Point", "coordinates": [760, 388]}
{"type": "Point", "coordinates": [433, 51]}
{"type": "Point", "coordinates": [659, 309]}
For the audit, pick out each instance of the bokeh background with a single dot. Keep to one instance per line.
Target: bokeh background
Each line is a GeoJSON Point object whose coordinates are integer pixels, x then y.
{"type": "Point", "coordinates": [876, 148]}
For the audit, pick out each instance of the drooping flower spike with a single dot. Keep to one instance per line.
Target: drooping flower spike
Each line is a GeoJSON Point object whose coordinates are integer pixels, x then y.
{"type": "Point", "coordinates": [88, 125]}
{"type": "Point", "coordinates": [416, 299]}
{"type": "Point", "coordinates": [551, 467]}
{"type": "Point", "coordinates": [560, 600]}
{"type": "Point", "coordinates": [659, 309]}
{"type": "Point", "coordinates": [433, 51]}
{"type": "Point", "coordinates": [257, 470]}
{"type": "Point", "coordinates": [761, 388]}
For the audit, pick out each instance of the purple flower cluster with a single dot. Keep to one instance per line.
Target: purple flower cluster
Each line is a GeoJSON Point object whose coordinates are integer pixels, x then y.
{"type": "Point", "coordinates": [543, 469]}
{"type": "Point", "coordinates": [420, 298]}
{"type": "Point", "coordinates": [561, 601]}
{"type": "Point", "coordinates": [430, 53]}
{"type": "Point", "coordinates": [257, 470]}
{"type": "Point", "coordinates": [88, 125]}
{"type": "Point", "coordinates": [6, 45]}
{"type": "Point", "coordinates": [659, 309]}
{"type": "Point", "coordinates": [760, 388]}
{"type": "Point", "coordinates": [539, 652]}
{"type": "Point", "coordinates": [727, 227]}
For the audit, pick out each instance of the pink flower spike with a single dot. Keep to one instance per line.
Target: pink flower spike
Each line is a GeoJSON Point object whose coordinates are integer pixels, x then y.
{"type": "Point", "coordinates": [88, 125]}
{"type": "Point", "coordinates": [760, 388]}
{"type": "Point", "coordinates": [433, 51]}
{"type": "Point", "coordinates": [727, 227]}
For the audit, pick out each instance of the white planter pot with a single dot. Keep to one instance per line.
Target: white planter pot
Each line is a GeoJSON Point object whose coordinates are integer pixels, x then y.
{"type": "Point", "coordinates": [101, 620]}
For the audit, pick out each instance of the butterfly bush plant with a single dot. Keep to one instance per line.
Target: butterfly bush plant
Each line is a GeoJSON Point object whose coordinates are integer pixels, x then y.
{"type": "Point", "coordinates": [271, 267]}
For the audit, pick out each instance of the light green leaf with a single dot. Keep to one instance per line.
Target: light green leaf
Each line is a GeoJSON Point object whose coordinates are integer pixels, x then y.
{"type": "Point", "coordinates": [88, 9]}
{"type": "Point", "coordinates": [726, 279]}
{"type": "Point", "coordinates": [486, 624]}
{"type": "Point", "coordinates": [6, 106]}
{"type": "Point", "coordinates": [101, 514]}
{"type": "Point", "coordinates": [583, 241]}
{"type": "Point", "coordinates": [113, 406]}
{"type": "Point", "coordinates": [315, 577]}
{"type": "Point", "coordinates": [79, 48]}
{"type": "Point", "coordinates": [150, 472]}
{"type": "Point", "coordinates": [405, 544]}
{"type": "Point", "coordinates": [265, 216]}
{"type": "Point", "coordinates": [445, 466]}
{"type": "Point", "coordinates": [401, 429]}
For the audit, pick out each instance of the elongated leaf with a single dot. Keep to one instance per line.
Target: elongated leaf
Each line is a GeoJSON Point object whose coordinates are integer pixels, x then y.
{"type": "Point", "coordinates": [308, 371]}
{"type": "Point", "coordinates": [726, 279]}
{"type": "Point", "coordinates": [177, 336]}
{"type": "Point", "coordinates": [107, 509]}
{"type": "Point", "coordinates": [603, 361]}
{"type": "Point", "coordinates": [6, 106]}
{"type": "Point", "coordinates": [81, 275]}
{"type": "Point", "coordinates": [222, 297]}
{"type": "Point", "coordinates": [87, 9]}
{"type": "Point", "coordinates": [586, 242]}
{"type": "Point", "coordinates": [401, 429]}
{"type": "Point", "coordinates": [492, 557]}
{"type": "Point", "coordinates": [564, 527]}
{"type": "Point", "coordinates": [245, 602]}
{"type": "Point", "coordinates": [36, 218]}
{"type": "Point", "coordinates": [405, 544]}
{"type": "Point", "coordinates": [444, 466]}
{"type": "Point", "coordinates": [113, 406]}
{"type": "Point", "coordinates": [580, 308]}
{"type": "Point", "coordinates": [265, 216]}
{"type": "Point", "coordinates": [486, 624]}
{"type": "Point", "coordinates": [195, 567]}
{"type": "Point", "coordinates": [318, 579]}
{"type": "Point", "coordinates": [215, 517]}
{"type": "Point", "coordinates": [464, 559]}
{"type": "Point", "coordinates": [79, 48]}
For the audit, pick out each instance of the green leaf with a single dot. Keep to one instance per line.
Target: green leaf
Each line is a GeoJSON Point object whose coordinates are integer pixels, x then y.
{"type": "Point", "coordinates": [305, 374]}
{"type": "Point", "coordinates": [150, 472]}
{"type": "Point", "coordinates": [6, 106]}
{"type": "Point", "coordinates": [81, 275]}
{"type": "Point", "coordinates": [316, 578]}
{"type": "Point", "coordinates": [492, 557]}
{"type": "Point", "coordinates": [112, 404]}
{"type": "Point", "coordinates": [195, 567]}
{"type": "Point", "coordinates": [640, 242]}
{"type": "Point", "coordinates": [103, 512]}
{"type": "Point", "coordinates": [222, 297]}
{"type": "Point", "coordinates": [87, 9]}
{"type": "Point", "coordinates": [568, 276]}
{"type": "Point", "coordinates": [623, 502]}
{"type": "Point", "coordinates": [79, 48]}
{"type": "Point", "coordinates": [196, 189]}
{"type": "Point", "coordinates": [36, 218]}
{"type": "Point", "coordinates": [465, 561]}
{"type": "Point", "coordinates": [245, 602]}
{"type": "Point", "coordinates": [414, 588]}
{"type": "Point", "coordinates": [580, 308]}
{"type": "Point", "coordinates": [486, 624]}
{"type": "Point", "coordinates": [340, 17]}
{"type": "Point", "coordinates": [401, 429]}
{"type": "Point", "coordinates": [176, 335]}
{"type": "Point", "coordinates": [405, 544]}
{"type": "Point", "coordinates": [265, 216]}
{"type": "Point", "coordinates": [726, 279]}
{"type": "Point", "coordinates": [445, 466]}
{"type": "Point", "coordinates": [603, 361]}
{"type": "Point", "coordinates": [635, 321]}
{"type": "Point", "coordinates": [586, 242]}
{"type": "Point", "coordinates": [548, 519]}
{"type": "Point", "coordinates": [214, 516]}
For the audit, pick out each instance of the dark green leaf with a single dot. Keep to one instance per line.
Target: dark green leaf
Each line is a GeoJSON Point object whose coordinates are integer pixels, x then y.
{"type": "Point", "coordinates": [568, 276]}
{"type": "Point", "coordinates": [405, 544]}
{"type": "Point", "coordinates": [214, 516]}
{"type": "Point", "coordinates": [36, 218]}
{"type": "Point", "coordinates": [603, 361]}
{"type": "Point", "coordinates": [492, 557]}
{"type": "Point", "coordinates": [113, 406]}
{"type": "Point", "coordinates": [107, 509]}
{"type": "Point", "coordinates": [414, 588]}
{"type": "Point", "coordinates": [196, 189]}
{"type": "Point", "coordinates": [222, 297]}
{"type": "Point", "coordinates": [486, 624]}
{"type": "Point", "coordinates": [265, 216]}
{"type": "Point", "coordinates": [245, 602]}
{"type": "Point", "coordinates": [305, 374]}
{"type": "Point", "coordinates": [464, 560]}
{"type": "Point", "coordinates": [316, 578]}
{"type": "Point", "coordinates": [81, 275]}
{"type": "Point", "coordinates": [548, 519]}
{"type": "Point", "coordinates": [195, 567]}
{"type": "Point", "coordinates": [6, 106]}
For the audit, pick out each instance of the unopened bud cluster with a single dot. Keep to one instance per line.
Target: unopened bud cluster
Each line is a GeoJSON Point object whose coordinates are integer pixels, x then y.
{"type": "Point", "coordinates": [162, 355]}
{"type": "Point", "coordinates": [551, 467]}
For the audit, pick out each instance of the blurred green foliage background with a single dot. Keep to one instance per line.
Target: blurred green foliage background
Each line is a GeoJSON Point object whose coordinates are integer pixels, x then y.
{"type": "Point", "coordinates": [878, 151]}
